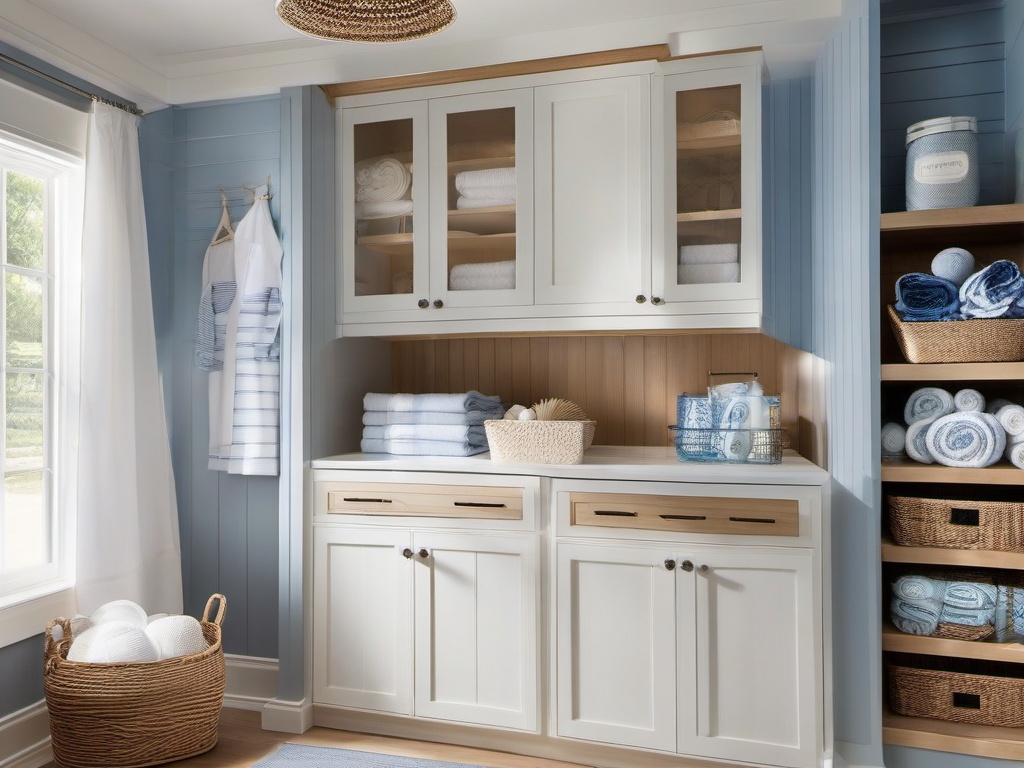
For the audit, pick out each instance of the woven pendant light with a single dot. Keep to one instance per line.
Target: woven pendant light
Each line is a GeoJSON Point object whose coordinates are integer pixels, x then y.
{"type": "Point", "coordinates": [367, 21]}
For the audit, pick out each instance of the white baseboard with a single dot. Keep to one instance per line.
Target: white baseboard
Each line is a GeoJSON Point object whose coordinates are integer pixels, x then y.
{"type": "Point", "coordinates": [288, 716]}
{"type": "Point", "coordinates": [252, 681]}
{"type": "Point", "coordinates": [25, 736]}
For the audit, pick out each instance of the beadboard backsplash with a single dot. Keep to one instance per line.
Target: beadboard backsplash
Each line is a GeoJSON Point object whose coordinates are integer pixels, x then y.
{"type": "Point", "coordinates": [628, 383]}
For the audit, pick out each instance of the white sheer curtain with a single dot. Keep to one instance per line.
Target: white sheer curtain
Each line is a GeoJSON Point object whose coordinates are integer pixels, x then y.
{"type": "Point", "coordinates": [127, 528]}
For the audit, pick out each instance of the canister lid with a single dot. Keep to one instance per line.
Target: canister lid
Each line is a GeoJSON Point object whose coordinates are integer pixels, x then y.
{"type": "Point", "coordinates": [941, 125]}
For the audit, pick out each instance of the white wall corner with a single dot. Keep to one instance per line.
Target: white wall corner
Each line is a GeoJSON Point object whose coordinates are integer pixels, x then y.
{"type": "Point", "coordinates": [25, 738]}
{"type": "Point", "coordinates": [251, 683]}
{"type": "Point", "coordinates": [288, 716]}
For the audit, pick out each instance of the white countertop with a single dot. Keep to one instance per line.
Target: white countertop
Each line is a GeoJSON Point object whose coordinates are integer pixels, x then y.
{"type": "Point", "coordinates": [600, 462]}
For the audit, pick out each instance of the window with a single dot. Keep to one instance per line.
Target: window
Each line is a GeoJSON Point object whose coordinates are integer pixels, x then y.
{"type": "Point", "coordinates": [38, 193]}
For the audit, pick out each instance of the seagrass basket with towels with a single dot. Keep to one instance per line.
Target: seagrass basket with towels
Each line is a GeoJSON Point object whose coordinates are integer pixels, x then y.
{"type": "Point", "coordinates": [129, 715]}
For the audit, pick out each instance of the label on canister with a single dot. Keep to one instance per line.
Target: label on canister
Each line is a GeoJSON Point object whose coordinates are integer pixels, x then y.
{"type": "Point", "coordinates": [941, 168]}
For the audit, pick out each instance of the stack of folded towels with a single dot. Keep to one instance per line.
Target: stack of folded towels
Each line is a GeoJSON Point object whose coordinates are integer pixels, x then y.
{"type": "Point", "coordinates": [383, 187]}
{"type": "Point", "coordinates": [486, 276]}
{"type": "Point", "coordinates": [957, 430]}
{"type": "Point", "coordinates": [954, 291]}
{"type": "Point", "coordinates": [714, 263]}
{"type": "Point", "coordinates": [486, 188]}
{"type": "Point", "coordinates": [427, 425]}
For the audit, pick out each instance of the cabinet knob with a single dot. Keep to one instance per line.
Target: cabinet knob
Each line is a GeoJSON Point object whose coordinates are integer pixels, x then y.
{"type": "Point", "coordinates": [640, 298]}
{"type": "Point", "coordinates": [657, 301]}
{"type": "Point", "coordinates": [424, 553]}
{"type": "Point", "coordinates": [703, 568]}
{"type": "Point", "coordinates": [407, 553]}
{"type": "Point", "coordinates": [423, 303]}
{"type": "Point", "coordinates": [670, 564]}
{"type": "Point", "coordinates": [686, 565]}
{"type": "Point", "coordinates": [438, 303]}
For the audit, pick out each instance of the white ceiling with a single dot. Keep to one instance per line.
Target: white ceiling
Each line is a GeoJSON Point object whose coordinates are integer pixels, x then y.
{"type": "Point", "coordinates": [159, 52]}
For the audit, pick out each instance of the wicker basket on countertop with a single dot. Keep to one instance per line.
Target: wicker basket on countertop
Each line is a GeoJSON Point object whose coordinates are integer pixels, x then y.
{"type": "Point", "coordinates": [539, 442]}
{"type": "Point", "coordinates": [128, 715]}
{"type": "Point", "coordinates": [992, 340]}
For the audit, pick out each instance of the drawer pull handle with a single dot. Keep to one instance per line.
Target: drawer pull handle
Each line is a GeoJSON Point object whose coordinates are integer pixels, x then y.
{"type": "Point", "coordinates": [958, 516]}
{"type": "Point", "coordinates": [368, 501]}
{"type": "Point", "coordinates": [765, 520]}
{"type": "Point", "coordinates": [683, 517]}
{"type": "Point", "coordinates": [483, 504]}
{"type": "Point", "coordinates": [614, 513]}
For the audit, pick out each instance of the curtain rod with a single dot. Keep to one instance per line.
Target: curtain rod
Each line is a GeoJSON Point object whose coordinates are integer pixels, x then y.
{"type": "Point", "coordinates": [131, 109]}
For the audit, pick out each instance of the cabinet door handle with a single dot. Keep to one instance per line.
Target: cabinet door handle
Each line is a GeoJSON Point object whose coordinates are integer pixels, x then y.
{"type": "Point", "coordinates": [422, 303]}
{"type": "Point", "coordinates": [424, 553]}
{"type": "Point", "coordinates": [704, 569]}
{"type": "Point", "coordinates": [438, 303]}
{"type": "Point", "coordinates": [657, 301]}
{"type": "Point", "coordinates": [686, 565]}
{"type": "Point", "coordinates": [670, 564]}
{"type": "Point", "coordinates": [407, 553]}
{"type": "Point", "coordinates": [641, 299]}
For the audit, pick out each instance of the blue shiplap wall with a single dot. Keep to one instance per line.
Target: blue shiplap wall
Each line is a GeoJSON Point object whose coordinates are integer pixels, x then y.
{"type": "Point", "coordinates": [788, 110]}
{"type": "Point", "coordinates": [1013, 26]}
{"type": "Point", "coordinates": [228, 522]}
{"type": "Point", "coordinates": [845, 335]}
{"type": "Point", "coordinates": [951, 64]}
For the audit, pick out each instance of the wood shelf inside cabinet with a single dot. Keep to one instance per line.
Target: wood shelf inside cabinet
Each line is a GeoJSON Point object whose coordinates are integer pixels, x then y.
{"type": "Point", "coordinates": [480, 164]}
{"type": "Point", "coordinates": [974, 558]}
{"type": "Point", "coordinates": [952, 371]}
{"type": "Point", "coordinates": [980, 223]}
{"type": "Point", "coordinates": [709, 142]}
{"type": "Point", "coordinates": [901, 642]}
{"type": "Point", "coordinates": [458, 242]}
{"type": "Point", "coordinates": [727, 214]}
{"type": "Point", "coordinates": [910, 471]}
{"type": "Point", "coordinates": [499, 219]}
{"type": "Point", "coordinates": [964, 738]}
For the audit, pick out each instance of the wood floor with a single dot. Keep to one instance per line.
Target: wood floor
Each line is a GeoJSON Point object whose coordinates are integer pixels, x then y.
{"type": "Point", "coordinates": [242, 742]}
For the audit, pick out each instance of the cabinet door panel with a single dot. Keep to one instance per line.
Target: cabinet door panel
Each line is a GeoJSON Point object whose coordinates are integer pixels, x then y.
{"type": "Point", "coordinates": [616, 638]}
{"type": "Point", "coordinates": [756, 664]}
{"type": "Point", "coordinates": [476, 629]}
{"type": "Point", "coordinates": [593, 190]}
{"type": "Point", "coordinates": [362, 636]}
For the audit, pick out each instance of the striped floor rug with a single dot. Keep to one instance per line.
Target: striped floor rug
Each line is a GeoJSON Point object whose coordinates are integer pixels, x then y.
{"type": "Point", "coordinates": [304, 756]}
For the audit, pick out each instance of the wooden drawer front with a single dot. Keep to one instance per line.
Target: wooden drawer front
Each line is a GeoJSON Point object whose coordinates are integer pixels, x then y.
{"type": "Point", "coordinates": [394, 499]}
{"type": "Point", "coordinates": [687, 514]}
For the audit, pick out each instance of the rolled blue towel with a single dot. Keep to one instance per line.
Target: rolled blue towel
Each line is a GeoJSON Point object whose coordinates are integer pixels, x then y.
{"type": "Point", "coordinates": [966, 439]}
{"type": "Point", "coordinates": [968, 617]}
{"type": "Point", "coordinates": [924, 297]}
{"type": "Point", "coordinates": [953, 264]}
{"type": "Point", "coordinates": [917, 604]}
{"type": "Point", "coordinates": [969, 595]}
{"type": "Point", "coordinates": [969, 400]}
{"type": "Point", "coordinates": [927, 403]}
{"type": "Point", "coordinates": [917, 444]}
{"type": "Point", "coordinates": [996, 291]}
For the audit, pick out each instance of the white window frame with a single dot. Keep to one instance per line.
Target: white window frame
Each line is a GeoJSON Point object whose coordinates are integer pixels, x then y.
{"type": "Point", "coordinates": [27, 604]}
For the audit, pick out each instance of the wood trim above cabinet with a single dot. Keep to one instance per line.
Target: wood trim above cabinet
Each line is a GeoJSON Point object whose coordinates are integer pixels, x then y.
{"type": "Point", "coordinates": [659, 52]}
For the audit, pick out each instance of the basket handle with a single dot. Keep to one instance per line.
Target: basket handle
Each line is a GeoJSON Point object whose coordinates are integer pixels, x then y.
{"type": "Point", "coordinates": [53, 649]}
{"type": "Point", "coordinates": [221, 608]}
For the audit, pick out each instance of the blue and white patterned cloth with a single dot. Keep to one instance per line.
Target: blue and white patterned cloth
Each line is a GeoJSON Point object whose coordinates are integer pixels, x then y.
{"type": "Point", "coordinates": [923, 297]}
{"type": "Point", "coordinates": [928, 403]}
{"type": "Point", "coordinates": [996, 291]}
{"type": "Point", "coordinates": [966, 439]}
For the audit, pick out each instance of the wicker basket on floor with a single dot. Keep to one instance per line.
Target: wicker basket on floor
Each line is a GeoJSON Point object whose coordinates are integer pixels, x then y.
{"type": "Point", "coordinates": [957, 696]}
{"type": "Point", "coordinates": [993, 340]}
{"type": "Point", "coordinates": [539, 442]}
{"type": "Point", "coordinates": [128, 715]}
{"type": "Point", "coordinates": [992, 525]}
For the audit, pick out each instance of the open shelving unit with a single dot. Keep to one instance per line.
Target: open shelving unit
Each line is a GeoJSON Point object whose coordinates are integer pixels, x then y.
{"type": "Point", "coordinates": [908, 242]}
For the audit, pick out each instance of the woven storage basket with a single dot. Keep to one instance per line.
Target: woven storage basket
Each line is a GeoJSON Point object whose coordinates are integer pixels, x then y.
{"type": "Point", "coordinates": [992, 525]}
{"type": "Point", "coordinates": [127, 714]}
{"type": "Point", "coordinates": [995, 340]}
{"type": "Point", "coordinates": [958, 696]}
{"type": "Point", "coordinates": [539, 442]}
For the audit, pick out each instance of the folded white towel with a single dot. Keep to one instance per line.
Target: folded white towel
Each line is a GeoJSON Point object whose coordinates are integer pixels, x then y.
{"type": "Point", "coordinates": [381, 180]}
{"type": "Point", "coordinates": [701, 274]}
{"type": "Point", "coordinates": [716, 253]}
{"type": "Point", "coordinates": [483, 283]}
{"type": "Point", "coordinates": [966, 439]}
{"type": "Point", "coordinates": [433, 401]}
{"type": "Point", "coordinates": [469, 183]}
{"type": "Point", "coordinates": [421, 447]}
{"type": "Point", "coordinates": [465, 203]}
{"type": "Point", "coordinates": [383, 209]}
{"type": "Point", "coordinates": [927, 403]}
{"type": "Point", "coordinates": [917, 444]}
{"type": "Point", "coordinates": [969, 400]}
{"type": "Point", "coordinates": [451, 432]}
{"type": "Point", "coordinates": [484, 269]}
{"type": "Point", "coordinates": [1011, 417]}
{"type": "Point", "coordinates": [464, 419]}
{"type": "Point", "coordinates": [894, 439]}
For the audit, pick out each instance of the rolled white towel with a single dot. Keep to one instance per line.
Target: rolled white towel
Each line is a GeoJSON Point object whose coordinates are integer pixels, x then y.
{"type": "Point", "coordinates": [927, 403]}
{"type": "Point", "coordinates": [917, 446]}
{"type": "Point", "coordinates": [894, 439]}
{"type": "Point", "coordinates": [176, 636]}
{"type": "Point", "coordinates": [969, 400]}
{"type": "Point", "coordinates": [966, 439]}
{"type": "Point", "coordinates": [1015, 453]}
{"type": "Point", "coordinates": [702, 274]}
{"type": "Point", "coordinates": [713, 253]}
{"type": "Point", "coordinates": [1011, 417]}
{"type": "Point", "coordinates": [113, 641]}
{"type": "Point", "coordinates": [120, 610]}
{"type": "Point", "coordinates": [381, 180]}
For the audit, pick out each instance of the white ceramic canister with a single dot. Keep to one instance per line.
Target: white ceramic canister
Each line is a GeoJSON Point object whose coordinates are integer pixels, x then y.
{"type": "Point", "coordinates": [942, 163]}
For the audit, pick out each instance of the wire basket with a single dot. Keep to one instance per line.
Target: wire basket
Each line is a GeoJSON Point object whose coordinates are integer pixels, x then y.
{"type": "Point", "coordinates": [728, 446]}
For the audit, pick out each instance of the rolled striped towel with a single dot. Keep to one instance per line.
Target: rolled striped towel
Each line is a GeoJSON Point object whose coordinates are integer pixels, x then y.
{"type": "Point", "coordinates": [1011, 417]}
{"type": "Point", "coordinates": [917, 446]}
{"type": "Point", "coordinates": [966, 439]}
{"type": "Point", "coordinates": [969, 400]}
{"type": "Point", "coordinates": [970, 596]}
{"type": "Point", "coordinates": [894, 439]}
{"type": "Point", "coordinates": [927, 403]}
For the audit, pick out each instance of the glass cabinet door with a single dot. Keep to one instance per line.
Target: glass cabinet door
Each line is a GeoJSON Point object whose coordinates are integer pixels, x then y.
{"type": "Point", "coordinates": [481, 199]}
{"type": "Point", "coordinates": [383, 229]}
{"type": "Point", "coordinates": [712, 137]}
